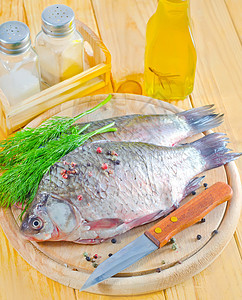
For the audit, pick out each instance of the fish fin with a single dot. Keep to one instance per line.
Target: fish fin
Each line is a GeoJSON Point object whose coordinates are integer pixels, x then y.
{"type": "Point", "coordinates": [202, 118]}
{"type": "Point", "coordinates": [193, 185]}
{"type": "Point", "coordinates": [148, 218]}
{"type": "Point", "coordinates": [213, 149]}
{"type": "Point", "coordinates": [105, 223]}
{"type": "Point", "coordinates": [89, 241]}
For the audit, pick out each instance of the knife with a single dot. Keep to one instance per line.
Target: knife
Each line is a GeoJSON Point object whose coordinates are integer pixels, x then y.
{"type": "Point", "coordinates": [160, 234]}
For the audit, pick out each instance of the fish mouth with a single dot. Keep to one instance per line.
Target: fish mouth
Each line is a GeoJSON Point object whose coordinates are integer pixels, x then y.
{"type": "Point", "coordinates": [36, 239]}
{"type": "Point", "coordinates": [45, 237]}
{"type": "Point", "coordinates": [30, 238]}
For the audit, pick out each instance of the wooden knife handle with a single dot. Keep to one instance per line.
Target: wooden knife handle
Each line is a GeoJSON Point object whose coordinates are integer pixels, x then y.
{"type": "Point", "coordinates": [189, 214]}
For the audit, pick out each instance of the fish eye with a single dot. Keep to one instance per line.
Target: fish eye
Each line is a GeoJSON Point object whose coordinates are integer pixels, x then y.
{"type": "Point", "coordinates": [37, 224]}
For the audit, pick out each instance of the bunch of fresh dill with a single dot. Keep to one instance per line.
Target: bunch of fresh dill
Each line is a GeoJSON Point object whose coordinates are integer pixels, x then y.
{"type": "Point", "coordinates": [29, 154]}
{"type": "Point", "coordinates": [13, 148]}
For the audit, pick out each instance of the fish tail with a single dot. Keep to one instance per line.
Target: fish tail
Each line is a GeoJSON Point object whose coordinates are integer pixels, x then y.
{"type": "Point", "coordinates": [213, 150]}
{"type": "Point", "coordinates": [202, 118]}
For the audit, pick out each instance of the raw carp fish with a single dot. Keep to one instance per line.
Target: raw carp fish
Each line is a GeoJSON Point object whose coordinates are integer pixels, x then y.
{"type": "Point", "coordinates": [104, 188]}
{"type": "Point", "coordinates": [163, 130]}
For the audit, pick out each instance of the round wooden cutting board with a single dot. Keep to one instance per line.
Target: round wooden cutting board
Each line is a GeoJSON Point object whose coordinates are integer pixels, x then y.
{"type": "Point", "coordinates": [64, 261]}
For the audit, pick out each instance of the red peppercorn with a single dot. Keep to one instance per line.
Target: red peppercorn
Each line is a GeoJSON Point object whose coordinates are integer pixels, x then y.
{"type": "Point", "coordinates": [104, 166]}
{"type": "Point", "coordinates": [114, 153]}
{"type": "Point", "coordinates": [65, 162]}
{"type": "Point", "coordinates": [65, 176]}
{"type": "Point", "coordinates": [99, 150]}
{"type": "Point", "coordinates": [69, 172]}
{"type": "Point", "coordinates": [73, 164]}
{"type": "Point", "coordinates": [79, 197]}
{"type": "Point", "coordinates": [95, 256]}
{"type": "Point", "coordinates": [110, 171]}
{"type": "Point", "coordinates": [90, 174]}
{"type": "Point", "coordinates": [63, 172]}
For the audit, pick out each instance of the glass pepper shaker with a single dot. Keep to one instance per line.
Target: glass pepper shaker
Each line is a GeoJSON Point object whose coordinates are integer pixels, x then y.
{"type": "Point", "coordinates": [59, 45]}
{"type": "Point", "coordinates": [19, 65]}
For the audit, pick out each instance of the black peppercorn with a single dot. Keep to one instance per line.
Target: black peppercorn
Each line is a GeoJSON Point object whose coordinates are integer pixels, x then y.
{"type": "Point", "coordinates": [172, 240]}
{"type": "Point", "coordinates": [205, 184]}
{"type": "Point", "coordinates": [113, 241]}
{"type": "Point", "coordinates": [199, 237]}
{"type": "Point", "coordinates": [117, 162]}
{"type": "Point", "coordinates": [193, 193]}
{"type": "Point", "coordinates": [110, 254]}
{"type": "Point", "coordinates": [203, 220]}
{"type": "Point", "coordinates": [88, 258]}
{"type": "Point", "coordinates": [109, 153]}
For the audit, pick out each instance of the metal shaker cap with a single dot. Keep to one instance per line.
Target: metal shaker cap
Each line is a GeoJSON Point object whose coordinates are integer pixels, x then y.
{"type": "Point", "coordinates": [58, 20]}
{"type": "Point", "coordinates": [14, 37]}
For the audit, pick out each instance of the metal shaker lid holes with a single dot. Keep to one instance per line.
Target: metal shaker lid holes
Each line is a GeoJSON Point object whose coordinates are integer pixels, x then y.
{"type": "Point", "coordinates": [58, 20]}
{"type": "Point", "coordinates": [14, 37]}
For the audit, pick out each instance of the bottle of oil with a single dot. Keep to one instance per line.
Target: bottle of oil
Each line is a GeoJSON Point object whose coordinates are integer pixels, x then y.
{"type": "Point", "coordinates": [170, 55]}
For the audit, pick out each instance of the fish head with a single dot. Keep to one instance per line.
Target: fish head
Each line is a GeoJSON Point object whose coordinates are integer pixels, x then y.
{"type": "Point", "coordinates": [49, 219]}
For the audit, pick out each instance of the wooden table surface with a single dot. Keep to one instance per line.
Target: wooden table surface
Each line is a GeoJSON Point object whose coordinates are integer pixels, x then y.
{"type": "Point", "coordinates": [217, 29]}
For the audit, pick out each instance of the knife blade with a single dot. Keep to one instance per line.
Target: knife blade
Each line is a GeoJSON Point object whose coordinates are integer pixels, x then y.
{"type": "Point", "coordinates": [160, 234]}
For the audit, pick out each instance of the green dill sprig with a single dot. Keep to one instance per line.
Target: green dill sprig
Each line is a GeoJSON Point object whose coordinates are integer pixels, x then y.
{"type": "Point", "coordinates": [20, 183]}
{"type": "Point", "coordinates": [13, 149]}
{"type": "Point", "coordinates": [30, 153]}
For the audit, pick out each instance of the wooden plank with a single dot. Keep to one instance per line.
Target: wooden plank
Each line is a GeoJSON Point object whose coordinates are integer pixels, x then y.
{"type": "Point", "coordinates": [235, 11]}
{"type": "Point", "coordinates": [18, 280]}
{"type": "Point", "coordinates": [33, 10]}
{"type": "Point", "coordinates": [221, 280]}
{"type": "Point", "coordinates": [12, 10]}
{"type": "Point", "coordinates": [183, 291]}
{"type": "Point", "coordinates": [219, 77]}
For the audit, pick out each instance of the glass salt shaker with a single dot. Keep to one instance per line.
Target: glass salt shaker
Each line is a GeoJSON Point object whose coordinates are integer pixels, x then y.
{"type": "Point", "coordinates": [19, 65]}
{"type": "Point", "coordinates": [59, 45]}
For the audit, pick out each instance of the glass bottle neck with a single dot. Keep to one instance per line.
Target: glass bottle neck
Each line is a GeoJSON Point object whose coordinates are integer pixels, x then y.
{"type": "Point", "coordinates": [173, 8]}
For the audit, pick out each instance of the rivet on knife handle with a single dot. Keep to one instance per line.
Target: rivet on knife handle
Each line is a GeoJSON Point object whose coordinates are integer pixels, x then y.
{"type": "Point", "coordinates": [189, 214]}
